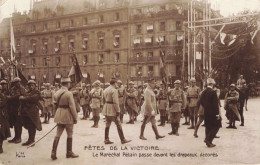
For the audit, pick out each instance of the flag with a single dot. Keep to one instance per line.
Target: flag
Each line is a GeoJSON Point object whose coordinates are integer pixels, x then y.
{"type": "Point", "coordinates": [12, 40]}
{"type": "Point", "coordinates": [75, 72]}
{"type": "Point", "coordinates": [163, 68]}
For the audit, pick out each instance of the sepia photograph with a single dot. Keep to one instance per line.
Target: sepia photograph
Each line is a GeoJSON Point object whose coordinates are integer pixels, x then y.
{"type": "Point", "coordinates": [133, 82]}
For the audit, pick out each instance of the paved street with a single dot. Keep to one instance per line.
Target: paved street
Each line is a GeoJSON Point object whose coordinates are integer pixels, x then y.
{"type": "Point", "coordinates": [233, 147]}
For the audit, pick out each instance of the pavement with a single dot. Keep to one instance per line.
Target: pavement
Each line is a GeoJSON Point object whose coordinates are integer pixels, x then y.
{"type": "Point", "coordinates": [235, 146]}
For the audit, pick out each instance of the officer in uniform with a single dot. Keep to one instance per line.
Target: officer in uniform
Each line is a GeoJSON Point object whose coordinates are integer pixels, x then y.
{"type": "Point", "coordinates": [121, 98]}
{"type": "Point", "coordinates": [14, 109]}
{"type": "Point", "coordinates": [162, 104]}
{"type": "Point", "coordinates": [176, 104]}
{"type": "Point", "coordinates": [47, 97]}
{"type": "Point", "coordinates": [65, 117]}
{"type": "Point", "coordinates": [111, 111]}
{"type": "Point", "coordinates": [192, 98]}
{"type": "Point", "coordinates": [4, 123]}
{"type": "Point", "coordinates": [41, 102]}
{"type": "Point", "coordinates": [149, 107]}
{"type": "Point", "coordinates": [84, 100]}
{"type": "Point", "coordinates": [106, 85]}
{"type": "Point", "coordinates": [231, 106]}
{"type": "Point", "coordinates": [4, 89]}
{"type": "Point", "coordinates": [131, 102]}
{"type": "Point", "coordinates": [30, 111]}
{"type": "Point", "coordinates": [240, 82]}
{"type": "Point", "coordinates": [96, 102]}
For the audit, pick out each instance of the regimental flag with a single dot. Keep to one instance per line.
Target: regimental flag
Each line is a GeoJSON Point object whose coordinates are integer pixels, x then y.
{"type": "Point", "coordinates": [75, 73]}
{"type": "Point", "coordinates": [163, 67]}
{"type": "Point", "coordinates": [24, 81]}
{"type": "Point", "coordinates": [13, 49]}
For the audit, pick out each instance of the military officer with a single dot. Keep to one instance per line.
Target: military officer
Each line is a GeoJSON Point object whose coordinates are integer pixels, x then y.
{"type": "Point", "coordinates": [240, 82]}
{"type": "Point", "coordinates": [162, 104]}
{"type": "Point", "coordinates": [14, 109]}
{"type": "Point", "coordinates": [106, 85]}
{"type": "Point", "coordinates": [47, 98]}
{"type": "Point", "coordinates": [41, 102]}
{"type": "Point", "coordinates": [111, 111]}
{"type": "Point", "coordinates": [4, 123]}
{"type": "Point", "coordinates": [121, 99]}
{"type": "Point", "coordinates": [65, 117]}
{"type": "Point", "coordinates": [131, 102]}
{"type": "Point", "coordinates": [84, 100]}
{"type": "Point", "coordinates": [192, 99]}
{"type": "Point", "coordinates": [30, 111]}
{"type": "Point", "coordinates": [176, 104]}
{"type": "Point", "coordinates": [150, 110]}
{"type": "Point", "coordinates": [96, 102]}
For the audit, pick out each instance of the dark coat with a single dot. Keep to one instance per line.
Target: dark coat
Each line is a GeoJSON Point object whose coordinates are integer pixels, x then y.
{"type": "Point", "coordinates": [30, 107]}
{"type": "Point", "coordinates": [4, 128]}
{"type": "Point", "coordinates": [209, 101]}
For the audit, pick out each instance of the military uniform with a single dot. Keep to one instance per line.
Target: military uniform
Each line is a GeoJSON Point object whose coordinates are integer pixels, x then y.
{"type": "Point", "coordinates": [30, 112]}
{"type": "Point", "coordinates": [131, 103]}
{"type": "Point", "coordinates": [121, 99]}
{"type": "Point", "coordinates": [176, 104]}
{"type": "Point", "coordinates": [47, 105]}
{"type": "Point", "coordinates": [162, 104]}
{"type": "Point", "coordinates": [96, 102]}
{"type": "Point", "coordinates": [241, 82]}
{"type": "Point", "coordinates": [112, 111]}
{"type": "Point", "coordinates": [84, 95]}
{"type": "Point", "coordinates": [65, 117]}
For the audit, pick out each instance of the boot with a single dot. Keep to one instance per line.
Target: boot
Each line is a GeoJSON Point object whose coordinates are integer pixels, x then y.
{"type": "Point", "coordinates": [161, 119]}
{"type": "Point", "coordinates": [142, 133]}
{"type": "Point", "coordinates": [45, 118]}
{"type": "Point", "coordinates": [95, 121]}
{"type": "Point", "coordinates": [192, 124]}
{"type": "Point", "coordinates": [70, 154]}
{"type": "Point", "coordinates": [176, 129]}
{"type": "Point", "coordinates": [121, 135]}
{"type": "Point", "coordinates": [1, 146]}
{"type": "Point", "coordinates": [107, 141]}
{"type": "Point", "coordinates": [54, 148]}
{"type": "Point", "coordinates": [195, 131]}
{"type": "Point", "coordinates": [12, 141]}
{"type": "Point", "coordinates": [121, 118]}
{"type": "Point", "coordinates": [19, 133]}
{"type": "Point", "coordinates": [173, 130]}
{"type": "Point", "coordinates": [157, 136]}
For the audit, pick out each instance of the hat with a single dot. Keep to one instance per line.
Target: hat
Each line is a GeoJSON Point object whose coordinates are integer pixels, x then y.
{"type": "Point", "coordinates": [177, 82]}
{"type": "Point", "coordinates": [97, 82]}
{"type": "Point", "coordinates": [65, 80]}
{"type": "Point", "coordinates": [107, 84]}
{"type": "Point", "coordinates": [31, 82]}
{"type": "Point", "coordinates": [210, 81]}
{"type": "Point", "coordinates": [192, 79]}
{"type": "Point", "coordinates": [119, 81]}
{"type": "Point", "coordinates": [16, 79]}
{"type": "Point", "coordinates": [131, 83]}
{"type": "Point", "coordinates": [3, 82]}
{"type": "Point", "coordinates": [42, 87]}
{"type": "Point", "coordinates": [48, 84]}
{"type": "Point", "coordinates": [232, 85]}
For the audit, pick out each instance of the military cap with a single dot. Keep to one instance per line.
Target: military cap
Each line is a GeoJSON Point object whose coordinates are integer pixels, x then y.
{"type": "Point", "coordinates": [42, 87]}
{"type": "Point", "coordinates": [131, 83]}
{"type": "Point", "coordinates": [48, 84]}
{"type": "Point", "coordinates": [3, 82]}
{"type": "Point", "coordinates": [119, 81]}
{"type": "Point", "coordinates": [16, 79]}
{"type": "Point", "coordinates": [44, 84]}
{"type": "Point", "coordinates": [232, 85]}
{"type": "Point", "coordinates": [107, 84]}
{"type": "Point", "coordinates": [31, 82]}
{"type": "Point", "coordinates": [177, 82]}
{"type": "Point", "coordinates": [65, 80]}
{"type": "Point", "coordinates": [97, 82]}
{"type": "Point", "coordinates": [192, 79]}
{"type": "Point", "coordinates": [210, 81]}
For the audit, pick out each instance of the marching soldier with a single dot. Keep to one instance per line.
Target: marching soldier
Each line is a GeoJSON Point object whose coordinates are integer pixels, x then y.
{"type": "Point", "coordinates": [149, 107]}
{"type": "Point", "coordinates": [131, 102]}
{"type": "Point", "coordinates": [47, 97]}
{"type": "Point", "coordinates": [121, 99]}
{"type": "Point", "coordinates": [106, 85]}
{"type": "Point", "coordinates": [14, 109]}
{"type": "Point", "coordinates": [96, 102]}
{"type": "Point", "coordinates": [4, 123]}
{"type": "Point", "coordinates": [240, 82]}
{"type": "Point", "coordinates": [231, 106]}
{"type": "Point", "coordinates": [162, 104]}
{"type": "Point", "coordinates": [84, 100]}
{"type": "Point", "coordinates": [176, 104]}
{"type": "Point", "coordinates": [192, 98]}
{"type": "Point", "coordinates": [111, 111]}
{"type": "Point", "coordinates": [186, 112]}
{"type": "Point", "coordinates": [65, 117]}
{"type": "Point", "coordinates": [30, 111]}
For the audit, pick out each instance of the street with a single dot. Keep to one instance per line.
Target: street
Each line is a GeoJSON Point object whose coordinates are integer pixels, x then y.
{"type": "Point", "coordinates": [235, 146]}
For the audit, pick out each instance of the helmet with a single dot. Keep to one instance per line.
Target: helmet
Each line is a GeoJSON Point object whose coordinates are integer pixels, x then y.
{"type": "Point", "coordinates": [65, 80]}
{"type": "Point", "coordinates": [3, 82]}
{"type": "Point", "coordinates": [119, 81]}
{"type": "Point", "coordinates": [192, 79]}
{"type": "Point", "coordinates": [210, 81]}
{"type": "Point", "coordinates": [131, 83]}
{"type": "Point", "coordinates": [232, 85]}
{"type": "Point", "coordinates": [177, 82]}
{"type": "Point", "coordinates": [16, 79]}
{"type": "Point", "coordinates": [31, 82]}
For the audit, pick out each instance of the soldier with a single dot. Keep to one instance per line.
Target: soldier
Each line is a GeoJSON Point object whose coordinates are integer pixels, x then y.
{"type": "Point", "coordinates": [231, 106]}
{"type": "Point", "coordinates": [240, 82]}
{"type": "Point", "coordinates": [47, 97]}
{"type": "Point", "coordinates": [75, 92]}
{"type": "Point", "coordinates": [192, 98]}
{"type": "Point", "coordinates": [186, 112]}
{"type": "Point", "coordinates": [111, 111]}
{"type": "Point", "coordinates": [14, 109]}
{"type": "Point", "coordinates": [162, 104]}
{"type": "Point", "coordinates": [84, 101]}
{"type": "Point", "coordinates": [41, 102]}
{"type": "Point", "coordinates": [121, 99]}
{"type": "Point", "coordinates": [4, 123]}
{"type": "Point", "coordinates": [96, 102]}
{"type": "Point", "coordinates": [149, 107]}
{"type": "Point", "coordinates": [65, 117]}
{"type": "Point", "coordinates": [131, 102]}
{"type": "Point", "coordinates": [4, 89]}
{"type": "Point", "coordinates": [176, 104]}
{"type": "Point", "coordinates": [30, 111]}
{"type": "Point", "coordinates": [53, 111]}
{"type": "Point", "coordinates": [106, 85]}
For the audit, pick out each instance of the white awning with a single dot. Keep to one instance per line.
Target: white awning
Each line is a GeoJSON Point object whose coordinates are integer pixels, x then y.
{"type": "Point", "coordinates": [101, 38]}
{"type": "Point", "coordinates": [71, 40]}
{"type": "Point", "coordinates": [58, 41]}
{"type": "Point", "coordinates": [45, 43]}
{"type": "Point", "coordinates": [160, 39]}
{"type": "Point", "coordinates": [148, 40]}
{"type": "Point", "coordinates": [117, 36]}
{"type": "Point", "coordinates": [85, 39]}
{"type": "Point", "coordinates": [32, 76]}
{"type": "Point", "coordinates": [149, 27]}
{"type": "Point", "coordinates": [137, 41]}
{"type": "Point", "coordinates": [85, 75]}
{"type": "Point", "coordinates": [58, 76]}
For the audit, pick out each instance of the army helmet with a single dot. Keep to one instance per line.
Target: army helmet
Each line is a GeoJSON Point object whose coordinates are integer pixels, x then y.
{"type": "Point", "coordinates": [31, 82]}
{"type": "Point", "coordinates": [177, 82]}
{"type": "Point", "coordinates": [3, 82]}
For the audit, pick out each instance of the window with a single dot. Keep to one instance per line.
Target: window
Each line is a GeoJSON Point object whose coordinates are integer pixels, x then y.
{"type": "Point", "coordinates": [58, 25]}
{"type": "Point", "coordinates": [139, 71]}
{"type": "Point", "coordinates": [85, 43]}
{"type": "Point", "coordinates": [57, 61]}
{"type": "Point", "coordinates": [71, 60]}
{"type": "Point", "coordinates": [162, 26]}
{"type": "Point", "coordinates": [162, 53]}
{"type": "Point", "coordinates": [85, 59]}
{"type": "Point", "coordinates": [18, 42]}
{"type": "Point", "coordinates": [101, 43]}
{"type": "Point", "coordinates": [34, 47]}
{"type": "Point", "coordinates": [178, 25]}
{"type": "Point", "coordinates": [116, 41]}
{"type": "Point", "coordinates": [150, 55]}
{"type": "Point", "coordinates": [33, 28]}
{"type": "Point", "coordinates": [100, 58]}
{"type": "Point", "coordinates": [45, 27]}
{"type": "Point", "coordinates": [149, 28]}
{"type": "Point", "coordinates": [85, 21]}
{"type": "Point", "coordinates": [117, 2]}
{"type": "Point", "coordinates": [102, 3]}
{"type": "Point", "coordinates": [71, 45]}
{"type": "Point", "coordinates": [138, 28]}
{"type": "Point", "coordinates": [117, 57]}
{"type": "Point", "coordinates": [101, 19]}
{"type": "Point", "coordinates": [117, 17]}
{"type": "Point", "coordinates": [33, 62]}
{"type": "Point", "coordinates": [150, 70]}
{"type": "Point", "coordinates": [45, 47]}
{"type": "Point", "coordinates": [58, 46]}
{"type": "Point", "coordinates": [71, 23]}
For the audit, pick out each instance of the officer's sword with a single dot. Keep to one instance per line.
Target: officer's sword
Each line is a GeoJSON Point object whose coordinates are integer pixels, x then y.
{"type": "Point", "coordinates": [41, 137]}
